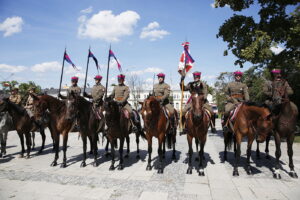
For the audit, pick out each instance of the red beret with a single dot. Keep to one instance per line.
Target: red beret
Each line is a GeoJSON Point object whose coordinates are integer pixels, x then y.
{"type": "Point", "coordinates": [161, 75]}
{"type": "Point", "coordinates": [276, 71]}
{"type": "Point", "coordinates": [238, 73]}
{"type": "Point", "coordinates": [98, 77]}
{"type": "Point", "coordinates": [121, 76]}
{"type": "Point", "coordinates": [197, 73]}
{"type": "Point", "coordinates": [74, 78]}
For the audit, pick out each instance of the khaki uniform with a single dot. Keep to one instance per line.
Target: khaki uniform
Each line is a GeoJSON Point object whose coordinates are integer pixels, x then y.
{"type": "Point", "coordinates": [29, 106]}
{"type": "Point", "coordinates": [236, 92]}
{"type": "Point", "coordinates": [121, 94]}
{"type": "Point", "coordinates": [75, 89]}
{"type": "Point", "coordinates": [15, 98]}
{"type": "Point", "coordinates": [98, 92]}
{"type": "Point", "coordinates": [194, 87]}
{"type": "Point", "coordinates": [162, 93]}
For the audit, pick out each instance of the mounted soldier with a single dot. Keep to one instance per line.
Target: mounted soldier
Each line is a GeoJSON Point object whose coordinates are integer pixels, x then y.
{"type": "Point", "coordinates": [120, 94]}
{"type": "Point", "coordinates": [98, 92]}
{"type": "Point", "coordinates": [15, 97]}
{"type": "Point", "coordinates": [74, 88]}
{"type": "Point", "coordinates": [195, 87]}
{"type": "Point", "coordinates": [276, 91]}
{"type": "Point", "coordinates": [161, 91]}
{"type": "Point", "coordinates": [236, 93]}
{"type": "Point", "coordinates": [29, 103]}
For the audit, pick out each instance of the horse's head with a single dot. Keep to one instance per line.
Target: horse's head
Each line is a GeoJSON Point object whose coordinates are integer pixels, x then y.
{"type": "Point", "coordinates": [39, 107]}
{"type": "Point", "coordinates": [198, 101]}
{"type": "Point", "coordinates": [150, 107]}
{"type": "Point", "coordinates": [71, 106]}
{"type": "Point", "coordinates": [3, 104]}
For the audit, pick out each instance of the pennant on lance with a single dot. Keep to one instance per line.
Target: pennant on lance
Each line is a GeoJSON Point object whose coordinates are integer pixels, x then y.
{"type": "Point", "coordinates": [111, 54]}
{"type": "Point", "coordinates": [186, 61]}
{"type": "Point", "coordinates": [94, 58]}
{"type": "Point", "coordinates": [67, 58]}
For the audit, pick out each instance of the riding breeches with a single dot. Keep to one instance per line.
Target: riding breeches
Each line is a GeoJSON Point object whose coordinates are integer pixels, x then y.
{"type": "Point", "coordinates": [228, 108]}
{"type": "Point", "coordinates": [170, 108]}
{"type": "Point", "coordinates": [188, 106]}
{"type": "Point", "coordinates": [128, 108]}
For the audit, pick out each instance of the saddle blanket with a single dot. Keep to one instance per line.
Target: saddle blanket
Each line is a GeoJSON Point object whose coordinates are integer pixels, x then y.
{"type": "Point", "coordinates": [234, 112]}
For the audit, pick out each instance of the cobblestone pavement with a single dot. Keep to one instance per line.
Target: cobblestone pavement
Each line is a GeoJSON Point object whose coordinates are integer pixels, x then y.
{"type": "Point", "coordinates": [34, 178]}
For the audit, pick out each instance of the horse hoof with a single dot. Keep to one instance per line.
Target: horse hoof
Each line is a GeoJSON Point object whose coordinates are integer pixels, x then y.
{"type": "Point", "coordinates": [277, 176]}
{"type": "Point", "coordinates": [27, 157]}
{"type": "Point", "coordinates": [197, 159]}
{"type": "Point", "coordinates": [21, 156]}
{"type": "Point", "coordinates": [126, 156]}
{"type": "Point", "coordinates": [148, 168]}
{"type": "Point", "coordinates": [249, 172]}
{"type": "Point", "coordinates": [111, 168]}
{"type": "Point", "coordinates": [293, 174]}
{"type": "Point", "coordinates": [235, 173]}
{"type": "Point", "coordinates": [83, 164]}
{"type": "Point", "coordinates": [120, 167]}
{"type": "Point", "coordinates": [213, 130]}
{"type": "Point", "coordinates": [138, 157]}
{"type": "Point", "coordinates": [189, 171]}
{"type": "Point", "coordinates": [160, 171]}
{"type": "Point", "coordinates": [1, 156]}
{"type": "Point", "coordinates": [53, 164]}
{"type": "Point", "coordinates": [201, 173]}
{"type": "Point", "coordinates": [63, 165]}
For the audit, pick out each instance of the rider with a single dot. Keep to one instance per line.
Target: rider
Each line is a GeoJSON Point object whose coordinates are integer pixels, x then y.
{"type": "Point", "coordinates": [121, 94]}
{"type": "Point", "coordinates": [74, 88]}
{"type": "Point", "coordinates": [194, 87]}
{"type": "Point", "coordinates": [98, 92]}
{"type": "Point", "coordinates": [162, 92]}
{"type": "Point", "coordinates": [275, 91]}
{"type": "Point", "coordinates": [236, 92]}
{"type": "Point", "coordinates": [15, 97]}
{"type": "Point", "coordinates": [29, 103]}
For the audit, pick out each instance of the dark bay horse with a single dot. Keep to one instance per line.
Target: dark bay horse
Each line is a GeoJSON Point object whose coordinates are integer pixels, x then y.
{"type": "Point", "coordinates": [22, 124]}
{"type": "Point", "coordinates": [253, 121]}
{"type": "Point", "coordinates": [118, 127]}
{"type": "Point", "coordinates": [156, 125]}
{"type": "Point", "coordinates": [89, 124]}
{"type": "Point", "coordinates": [197, 124]}
{"type": "Point", "coordinates": [59, 122]}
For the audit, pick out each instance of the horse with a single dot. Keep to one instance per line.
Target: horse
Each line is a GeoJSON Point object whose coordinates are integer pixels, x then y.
{"type": "Point", "coordinates": [59, 121]}
{"type": "Point", "coordinates": [89, 124]}
{"type": "Point", "coordinates": [118, 127]}
{"type": "Point", "coordinates": [23, 124]}
{"type": "Point", "coordinates": [6, 125]}
{"type": "Point", "coordinates": [156, 124]}
{"type": "Point", "coordinates": [253, 121]}
{"type": "Point", "coordinates": [197, 123]}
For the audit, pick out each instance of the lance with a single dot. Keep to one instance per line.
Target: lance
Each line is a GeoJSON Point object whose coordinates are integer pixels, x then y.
{"type": "Point", "coordinates": [62, 71]}
{"type": "Point", "coordinates": [153, 84]}
{"type": "Point", "coordinates": [107, 71]}
{"type": "Point", "coordinates": [86, 71]}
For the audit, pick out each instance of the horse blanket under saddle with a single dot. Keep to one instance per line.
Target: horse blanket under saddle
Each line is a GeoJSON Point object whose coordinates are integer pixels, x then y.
{"type": "Point", "coordinates": [234, 112]}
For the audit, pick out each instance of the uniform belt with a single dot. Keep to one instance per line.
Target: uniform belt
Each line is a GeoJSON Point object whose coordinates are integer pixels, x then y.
{"type": "Point", "coordinates": [237, 96]}
{"type": "Point", "coordinates": [119, 98]}
{"type": "Point", "coordinates": [159, 97]}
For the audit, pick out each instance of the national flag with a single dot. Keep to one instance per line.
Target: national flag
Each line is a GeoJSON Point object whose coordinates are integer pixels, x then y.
{"type": "Point", "coordinates": [111, 54]}
{"type": "Point", "coordinates": [67, 58]}
{"type": "Point", "coordinates": [94, 58]}
{"type": "Point", "coordinates": [186, 61]}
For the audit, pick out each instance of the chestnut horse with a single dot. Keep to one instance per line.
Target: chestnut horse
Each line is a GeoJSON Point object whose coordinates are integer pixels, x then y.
{"type": "Point", "coordinates": [253, 121]}
{"type": "Point", "coordinates": [197, 124]}
{"type": "Point", "coordinates": [59, 122]}
{"type": "Point", "coordinates": [156, 125]}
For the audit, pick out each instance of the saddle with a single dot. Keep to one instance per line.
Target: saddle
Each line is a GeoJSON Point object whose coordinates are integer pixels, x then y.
{"type": "Point", "coordinates": [97, 112]}
{"type": "Point", "coordinates": [126, 113]}
{"type": "Point", "coordinates": [166, 112]}
{"type": "Point", "coordinates": [233, 113]}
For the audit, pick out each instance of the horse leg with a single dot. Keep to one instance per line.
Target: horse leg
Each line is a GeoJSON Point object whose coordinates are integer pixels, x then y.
{"type": "Point", "coordinates": [95, 149]}
{"type": "Point", "coordinates": [56, 148]}
{"type": "Point", "coordinates": [277, 154]}
{"type": "Point", "coordinates": [28, 144]}
{"type": "Point", "coordinates": [33, 140]}
{"type": "Point", "coordinates": [161, 142]}
{"type": "Point", "coordinates": [42, 131]}
{"type": "Point", "coordinates": [112, 144]}
{"type": "Point", "coordinates": [237, 154]}
{"type": "Point", "coordinates": [174, 150]}
{"type": "Point", "coordinates": [128, 146]}
{"type": "Point", "coordinates": [225, 146]}
{"type": "Point", "coordinates": [121, 165]}
{"type": "Point", "coordinates": [201, 158]}
{"type": "Point", "coordinates": [248, 167]}
{"type": "Point", "coordinates": [65, 142]}
{"type": "Point", "coordinates": [91, 145]}
{"type": "Point", "coordinates": [197, 148]}
{"type": "Point", "coordinates": [2, 143]}
{"type": "Point", "coordinates": [267, 146]}
{"type": "Point", "coordinates": [190, 143]}
{"type": "Point", "coordinates": [149, 140]}
{"type": "Point", "coordinates": [137, 140]}
{"type": "Point", "coordinates": [290, 140]}
{"type": "Point", "coordinates": [164, 148]}
{"type": "Point", "coordinates": [21, 136]}
{"type": "Point", "coordinates": [257, 150]}
{"type": "Point", "coordinates": [84, 141]}
{"type": "Point", "coordinates": [106, 148]}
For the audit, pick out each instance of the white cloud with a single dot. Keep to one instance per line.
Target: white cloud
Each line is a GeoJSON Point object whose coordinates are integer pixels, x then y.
{"type": "Point", "coordinates": [276, 50]}
{"type": "Point", "coordinates": [12, 69]}
{"type": "Point", "coordinates": [107, 26]}
{"type": "Point", "coordinates": [11, 25]}
{"type": "Point", "coordinates": [152, 32]}
{"type": "Point", "coordinates": [46, 66]}
{"type": "Point", "coordinates": [213, 5]}
{"type": "Point", "coordinates": [87, 10]}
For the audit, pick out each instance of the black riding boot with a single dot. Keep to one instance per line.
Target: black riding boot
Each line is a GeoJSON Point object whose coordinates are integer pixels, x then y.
{"type": "Point", "coordinates": [133, 122]}
{"type": "Point", "coordinates": [225, 124]}
{"type": "Point", "coordinates": [184, 130]}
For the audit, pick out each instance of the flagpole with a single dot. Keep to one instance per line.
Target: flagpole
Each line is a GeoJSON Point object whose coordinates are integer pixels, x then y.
{"type": "Point", "coordinates": [86, 71]}
{"type": "Point", "coordinates": [181, 102]}
{"type": "Point", "coordinates": [62, 70]}
{"type": "Point", "coordinates": [107, 71]}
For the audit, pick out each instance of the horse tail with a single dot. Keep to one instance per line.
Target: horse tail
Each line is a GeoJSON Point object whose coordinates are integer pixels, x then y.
{"type": "Point", "coordinates": [228, 139]}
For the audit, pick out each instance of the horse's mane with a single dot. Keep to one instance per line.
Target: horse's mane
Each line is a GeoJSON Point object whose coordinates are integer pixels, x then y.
{"type": "Point", "coordinates": [261, 105]}
{"type": "Point", "coordinates": [19, 109]}
{"type": "Point", "coordinates": [52, 101]}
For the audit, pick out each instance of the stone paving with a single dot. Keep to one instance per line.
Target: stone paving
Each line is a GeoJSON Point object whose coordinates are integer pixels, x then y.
{"type": "Point", "coordinates": [34, 178]}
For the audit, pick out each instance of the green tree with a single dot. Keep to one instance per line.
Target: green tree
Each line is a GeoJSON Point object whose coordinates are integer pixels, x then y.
{"type": "Point", "coordinates": [222, 80]}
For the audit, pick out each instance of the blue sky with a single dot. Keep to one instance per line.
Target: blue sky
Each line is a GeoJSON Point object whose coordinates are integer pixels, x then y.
{"type": "Point", "coordinates": [145, 35]}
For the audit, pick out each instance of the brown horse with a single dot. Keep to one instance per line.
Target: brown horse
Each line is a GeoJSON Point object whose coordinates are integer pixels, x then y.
{"type": "Point", "coordinates": [89, 124]}
{"type": "Point", "coordinates": [59, 122]}
{"type": "Point", "coordinates": [118, 127]}
{"type": "Point", "coordinates": [22, 124]}
{"type": "Point", "coordinates": [253, 121]}
{"type": "Point", "coordinates": [197, 124]}
{"type": "Point", "coordinates": [156, 125]}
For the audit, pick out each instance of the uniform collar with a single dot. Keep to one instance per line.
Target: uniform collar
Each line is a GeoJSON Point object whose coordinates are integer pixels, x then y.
{"type": "Point", "coordinates": [121, 84]}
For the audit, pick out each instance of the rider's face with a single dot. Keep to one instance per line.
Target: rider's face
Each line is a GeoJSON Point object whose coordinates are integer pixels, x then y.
{"type": "Point", "coordinates": [238, 77]}
{"type": "Point", "coordinates": [197, 78]}
{"type": "Point", "coordinates": [160, 79]}
{"type": "Point", "coordinates": [97, 81]}
{"type": "Point", "coordinates": [74, 82]}
{"type": "Point", "coordinates": [120, 80]}
{"type": "Point", "coordinates": [278, 77]}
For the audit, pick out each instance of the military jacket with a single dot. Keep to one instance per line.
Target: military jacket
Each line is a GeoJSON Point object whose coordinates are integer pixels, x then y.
{"type": "Point", "coordinates": [16, 98]}
{"type": "Point", "coordinates": [162, 91]}
{"type": "Point", "coordinates": [195, 87]}
{"type": "Point", "coordinates": [75, 89]}
{"type": "Point", "coordinates": [276, 90]}
{"type": "Point", "coordinates": [120, 93]}
{"type": "Point", "coordinates": [237, 91]}
{"type": "Point", "coordinates": [29, 103]}
{"type": "Point", "coordinates": [98, 92]}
